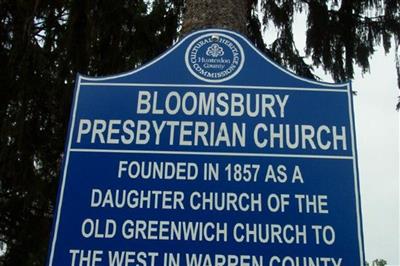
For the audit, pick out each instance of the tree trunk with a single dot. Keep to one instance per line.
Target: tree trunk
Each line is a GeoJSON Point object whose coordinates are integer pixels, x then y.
{"type": "Point", "coordinates": [226, 14]}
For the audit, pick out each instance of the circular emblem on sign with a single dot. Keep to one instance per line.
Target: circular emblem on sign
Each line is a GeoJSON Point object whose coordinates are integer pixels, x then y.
{"type": "Point", "coordinates": [214, 57]}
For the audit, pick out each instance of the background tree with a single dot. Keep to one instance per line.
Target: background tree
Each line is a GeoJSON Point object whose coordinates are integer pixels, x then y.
{"type": "Point", "coordinates": [44, 43]}
{"type": "Point", "coordinates": [377, 262]}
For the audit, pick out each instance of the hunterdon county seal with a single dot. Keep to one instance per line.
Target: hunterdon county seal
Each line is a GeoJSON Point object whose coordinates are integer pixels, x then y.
{"type": "Point", "coordinates": [214, 57]}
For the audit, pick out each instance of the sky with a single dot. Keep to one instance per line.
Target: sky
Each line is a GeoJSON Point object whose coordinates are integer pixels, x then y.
{"type": "Point", "coordinates": [377, 129]}
{"type": "Point", "coordinates": [378, 133]}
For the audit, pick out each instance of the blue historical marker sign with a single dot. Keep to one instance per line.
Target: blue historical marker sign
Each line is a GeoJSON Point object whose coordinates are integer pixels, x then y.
{"type": "Point", "coordinates": [209, 155]}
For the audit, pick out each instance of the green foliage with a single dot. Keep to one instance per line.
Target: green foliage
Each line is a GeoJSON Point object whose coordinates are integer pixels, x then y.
{"type": "Point", "coordinates": [340, 33]}
{"type": "Point", "coordinates": [377, 262]}
{"type": "Point", "coordinates": [44, 43]}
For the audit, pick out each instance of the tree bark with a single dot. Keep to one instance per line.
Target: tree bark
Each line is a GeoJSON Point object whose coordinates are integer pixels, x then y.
{"type": "Point", "coordinates": [226, 14]}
